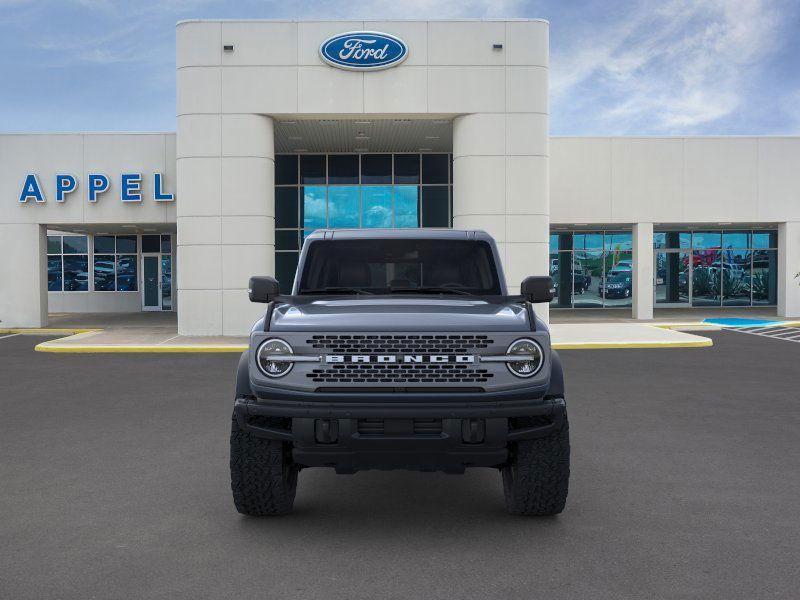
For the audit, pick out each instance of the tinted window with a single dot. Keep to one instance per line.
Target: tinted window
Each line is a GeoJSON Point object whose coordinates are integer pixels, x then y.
{"type": "Point", "coordinates": [286, 207]}
{"type": "Point", "coordinates": [54, 244]}
{"type": "Point", "coordinates": [151, 243]}
{"type": "Point", "coordinates": [434, 207]}
{"type": "Point", "coordinates": [434, 168]}
{"type": "Point", "coordinates": [343, 168]}
{"type": "Point", "coordinates": [312, 168]}
{"type": "Point", "coordinates": [75, 244]}
{"type": "Point", "coordinates": [104, 272]}
{"type": "Point", "coordinates": [376, 168]}
{"type": "Point", "coordinates": [286, 169]}
{"type": "Point", "coordinates": [126, 244]}
{"type": "Point", "coordinates": [104, 244]}
{"type": "Point", "coordinates": [406, 168]}
{"type": "Point", "coordinates": [394, 266]}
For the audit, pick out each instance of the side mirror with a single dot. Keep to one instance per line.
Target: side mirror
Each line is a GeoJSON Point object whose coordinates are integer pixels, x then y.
{"type": "Point", "coordinates": [538, 288]}
{"type": "Point", "coordinates": [263, 289]}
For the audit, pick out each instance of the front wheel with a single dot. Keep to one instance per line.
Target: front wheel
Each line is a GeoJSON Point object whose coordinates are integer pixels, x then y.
{"type": "Point", "coordinates": [536, 478]}
{"type": "Point", "coordinates": [263, 475]}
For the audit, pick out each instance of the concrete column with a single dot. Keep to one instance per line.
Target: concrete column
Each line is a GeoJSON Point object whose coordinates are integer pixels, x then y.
{"type": "Point", "coordinates": [226, 224]}
{"type": "Point", "coordinates": [643, 271]}
{"type": "Point", "coordinates": [23, 273]}
{"type": "Point", "coordinates": [788, 268]}
{"type": "Point", "coordinates": [500, 185]}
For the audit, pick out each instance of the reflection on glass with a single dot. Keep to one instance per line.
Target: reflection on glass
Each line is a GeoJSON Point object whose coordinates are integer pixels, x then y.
{"type": "Point", "coordinates": [126, 244]}
{"type": "Point", "coordinates": [618, 241]}
{"type": "Point", "coordinates": [706, 277]}
{"type": "Point", "coordinates": [126, 273]}
{"type": "Point", "coordinates": [561, 272]}
{"type": "Point", "coordinates": [76, 273]}
{"type": "Point", "coordinates": [587, 278]}
{"type": "Point", "coordinates": [166, 244]}
{"type": "Point", "coordinates": [672, 277]}
{"type": "Point", "coordinates": [166, 282]}
{"type": "Point", "coordinates": [406, 206]}
{"type": "Point", "coordinates": [75, 244]}
{"type": "Point", "coordinates": [588, 241]}
{"type": "Point", "coordinates": [104, 272]}
{"type": "Point", "coordinates": [706, 239]}
{"type": "Point", "coordinates": [735, 277]}
{"type": "Point", "coordinates": [406, 168]}
{"type": "Point", "coordinates": [376, 206]}
{"type": "Point", "coordinates": [672, 239]}
{"type": "Point", "coordinates": [54, 244]}
{"type": "Point", "coordinates": [343, 206]}
{"type": "Point", "coordinates": [765, 277]}
{"type": "Point", "coordinates": [314, 207]}
{"type": "Point", "coordinates": [617, 287]}
{"type": "Point", "coordinates": [736, 239]}
{"type": "Point", "coordinates": [104, 244]}
{"type": "Point", "coordinates": [150, 280]}
{"type": "Point", "coordinates": [765, 239]}
{"type": "Point", "coordinates": [54, 280]}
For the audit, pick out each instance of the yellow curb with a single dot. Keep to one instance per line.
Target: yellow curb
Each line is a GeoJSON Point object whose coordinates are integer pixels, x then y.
{"type": "Point", "coordinates": [155, 349]}
{"type": "Point", "coordinates": [704, 343]}
{"type": "Point", "coordinates": [46, 331]}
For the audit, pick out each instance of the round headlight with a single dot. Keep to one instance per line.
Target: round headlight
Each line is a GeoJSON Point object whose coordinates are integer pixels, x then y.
{"type": "Point", "coordinates": [268, 365]}
{"type": "Point", "coordinates": [533, 361]}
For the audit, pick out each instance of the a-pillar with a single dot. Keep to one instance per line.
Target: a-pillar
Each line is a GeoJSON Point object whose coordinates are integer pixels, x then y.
{"type": "Point", "coordinates": [23, 273]}
{"type": "Point", "coordinates": [789, 269]}
{"type": "Point", "coordinates": [642, 276]}
{"type": "Point", "coordinates": [501, 185]}
{"type": "Point", "coordinates": [226, 223]}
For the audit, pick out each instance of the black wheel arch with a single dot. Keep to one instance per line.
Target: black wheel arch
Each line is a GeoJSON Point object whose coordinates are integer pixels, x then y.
{"type": "Point", "coordinates": [556, 388]}
{"type": "Point", "coordinates": [243, 376]}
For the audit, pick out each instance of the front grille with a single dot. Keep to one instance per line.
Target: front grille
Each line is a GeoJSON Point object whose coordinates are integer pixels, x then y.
{"type": "Point", "coordinates": [399, 373]}
{"type": "Point", "coordinates": [399, 344]}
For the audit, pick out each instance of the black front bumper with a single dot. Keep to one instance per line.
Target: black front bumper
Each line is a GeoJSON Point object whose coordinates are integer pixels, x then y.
{"type": "Point", "coordinates": [352, 436]}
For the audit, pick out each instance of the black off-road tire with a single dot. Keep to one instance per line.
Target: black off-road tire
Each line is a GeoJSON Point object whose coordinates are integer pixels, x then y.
{"type": "Point", "coordinates": [536, 478]}
{"type": "Point", "coordinates": [263, 476]}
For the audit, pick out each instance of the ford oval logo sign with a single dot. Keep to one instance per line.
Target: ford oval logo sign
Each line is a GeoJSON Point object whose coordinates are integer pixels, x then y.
{"type": "Point", "coordinates": [363, 50]}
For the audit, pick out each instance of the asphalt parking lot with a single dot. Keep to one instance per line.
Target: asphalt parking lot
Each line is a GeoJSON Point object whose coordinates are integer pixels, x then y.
{"type": "Point", "coordinates": [686, 484]}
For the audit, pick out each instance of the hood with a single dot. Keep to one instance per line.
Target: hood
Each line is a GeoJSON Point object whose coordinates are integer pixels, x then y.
{"type": "Point", "coordinates": [395, 313]}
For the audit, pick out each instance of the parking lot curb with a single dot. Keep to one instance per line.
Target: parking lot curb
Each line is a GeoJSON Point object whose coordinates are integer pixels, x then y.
{"type": "Point", "coordinates": [704, 343]}
{"type": "Point", "coordinates": [155, 349]}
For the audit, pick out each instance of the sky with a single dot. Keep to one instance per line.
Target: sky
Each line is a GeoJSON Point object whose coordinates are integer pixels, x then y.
{"type": "Point", "coordinates": [669, 67]}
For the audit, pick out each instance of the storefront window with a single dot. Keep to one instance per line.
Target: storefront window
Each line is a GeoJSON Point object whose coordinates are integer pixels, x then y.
{"type": "Point", "coordinates": [67, 263]}
{"type": "Point", "coordinates": [116, 271]}
{"type": "Point", "coordinates": [318, 191]}
{"type": "Point", "coordinates": [592, 269]}
{"type": "Point", "coordinates": [718, 268]}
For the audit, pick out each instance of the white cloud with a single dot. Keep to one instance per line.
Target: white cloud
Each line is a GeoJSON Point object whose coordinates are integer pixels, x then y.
{"type": "Point", "coordinates": [670, 68]}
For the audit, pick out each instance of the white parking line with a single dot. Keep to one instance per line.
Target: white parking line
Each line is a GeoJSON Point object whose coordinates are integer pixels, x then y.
{"type": "Point", "coordinates": [2, 337]}
{"type": "Point", "coordinates": [790, 334]}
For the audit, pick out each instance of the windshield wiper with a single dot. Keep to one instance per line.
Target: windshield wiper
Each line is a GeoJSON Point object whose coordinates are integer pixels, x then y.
{"type": "Point", "coordinates": [337, 290]}
{"type": "Point", "coordinates": [431, 290]}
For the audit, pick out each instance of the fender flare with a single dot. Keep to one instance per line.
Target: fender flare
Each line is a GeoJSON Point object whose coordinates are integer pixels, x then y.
{"type": "Point", "coordinates": [556, 388]}
{"type": "Point", "coordinates": [243, 376]}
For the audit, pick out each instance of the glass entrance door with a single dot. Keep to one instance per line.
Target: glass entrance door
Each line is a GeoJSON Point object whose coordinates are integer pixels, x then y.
{"type": "Point", "coordinates": [151, 280]}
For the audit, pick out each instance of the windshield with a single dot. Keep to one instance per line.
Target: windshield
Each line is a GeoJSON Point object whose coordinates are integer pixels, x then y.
{"type": "Point", "coordinates": [399, 266]}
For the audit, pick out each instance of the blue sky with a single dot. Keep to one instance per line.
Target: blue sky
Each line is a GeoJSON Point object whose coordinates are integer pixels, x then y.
{"type": "Point", "coordinates": [617, 68]}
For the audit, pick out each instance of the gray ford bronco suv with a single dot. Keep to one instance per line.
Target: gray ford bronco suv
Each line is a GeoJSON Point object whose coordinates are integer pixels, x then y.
{"type": "Point", "coordinates": [399, 349]}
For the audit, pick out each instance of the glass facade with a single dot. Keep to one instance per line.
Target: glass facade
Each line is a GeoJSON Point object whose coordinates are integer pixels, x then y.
{"type": "Point", "coordinates": [115, 263]}
{"type": "Point", "coordinates": [316, 191]}
{"type": "Point", "coordinates": [67, 263]}
{"type": "Point", "coordinates": [106, 263]}
{"type": "Point", "coordinates": [591, 269]}
{"type": "Point", "coordinates": [716, 268]}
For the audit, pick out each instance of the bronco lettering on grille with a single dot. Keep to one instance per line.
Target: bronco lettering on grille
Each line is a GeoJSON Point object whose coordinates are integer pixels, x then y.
{"type": "Point", "coordinates": [399, 358]}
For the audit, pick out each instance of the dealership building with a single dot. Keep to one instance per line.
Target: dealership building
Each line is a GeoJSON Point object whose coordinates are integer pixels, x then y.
{"type": "Point", "coordinates": [284, 127]}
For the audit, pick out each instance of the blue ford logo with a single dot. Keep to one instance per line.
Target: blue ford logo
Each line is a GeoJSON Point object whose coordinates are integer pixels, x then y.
{"type": "Point", "coordinates": [363, 50]}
